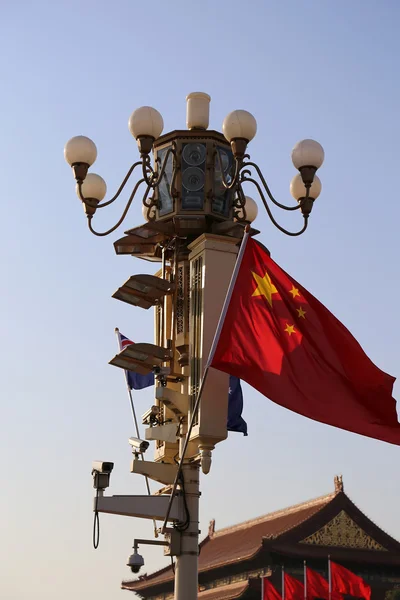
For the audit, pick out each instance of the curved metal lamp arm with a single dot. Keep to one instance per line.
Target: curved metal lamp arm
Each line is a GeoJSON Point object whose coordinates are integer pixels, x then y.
{"type": "Point", "coordinates": [267, 208]}
{"type": "Point", "coordinates": [146, 169]}
{"type": "Point", "coordinates": [151, 203]}
{"type": "Point", "coordinates": [241, 215]}
{"type": "Point", "coordinates": [121, 187]}
{"type": "Point", "coordinates": [239, 203]}
{"type": "Point", "coordinates": [238, 167]}
{"type": "Point", "coordinates": [240, 199]}
{"type": "Point", "coordinates": [101, 234]}
{"type": "Point", "coordinates": [261, 176]}
{"type": "Point", "coordinates": [172, 189]}
{"type": "Point", "coordinates": [155, 178]}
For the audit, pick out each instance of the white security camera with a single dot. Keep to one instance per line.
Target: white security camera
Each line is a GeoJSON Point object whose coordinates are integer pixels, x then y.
{"type": "Point", "coordinates": [101, 472]}
{"type": "Point", "coordinates": [138, 444]}
{"type": "Point", "coordinates": [101, 466]}
{"type": "Point", "coordinates": [135, 562]}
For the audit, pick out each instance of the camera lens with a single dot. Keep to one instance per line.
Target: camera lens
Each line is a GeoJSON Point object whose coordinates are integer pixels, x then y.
{"type": "Point", "coordinates": [193, 179]}
{"type": "Point", "coordinates": [194, 154]}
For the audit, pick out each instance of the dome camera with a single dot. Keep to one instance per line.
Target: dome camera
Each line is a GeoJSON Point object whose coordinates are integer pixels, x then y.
{"type": "Point", "coordinates": [135, 562]}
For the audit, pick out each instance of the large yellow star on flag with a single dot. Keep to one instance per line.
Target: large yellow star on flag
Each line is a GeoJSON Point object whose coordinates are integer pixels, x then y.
{"type": "Point", "coordinates": [265, 287]}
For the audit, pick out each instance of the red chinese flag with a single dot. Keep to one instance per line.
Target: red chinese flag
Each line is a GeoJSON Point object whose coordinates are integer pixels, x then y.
{"type": "Point", "coordinates": [269, 591]}
{"type": "Point", "coordinates": [346, 582]}
{"type": "Point", "coordinates": [294, 589]}
{"type": "Point", "coordinates": [318, 587]}
{"type": "Point", "coordinates": [287, 345]}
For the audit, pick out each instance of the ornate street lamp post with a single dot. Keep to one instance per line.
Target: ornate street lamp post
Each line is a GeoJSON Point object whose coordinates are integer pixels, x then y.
{"type": "Point", "coordinates": [195, 211]}
{"type": "Point", "coordinates": [196, 180]}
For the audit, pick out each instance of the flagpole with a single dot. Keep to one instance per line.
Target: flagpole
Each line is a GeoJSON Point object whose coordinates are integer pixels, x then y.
{"type": "Point", "coordinates": [207, 366]}
{"type": "Point", "coordinates": [117, 333]}
{"type": "Point", "coordinates": [305, 580]}
{"type": "Point", "coordinates": [329, 577]}
{"type": "Point", "coordinates": [283, 582]}
{"type": "Point", "coordinates": [262, 588]}
{"type": "Point", "coordinates": [228, 295]}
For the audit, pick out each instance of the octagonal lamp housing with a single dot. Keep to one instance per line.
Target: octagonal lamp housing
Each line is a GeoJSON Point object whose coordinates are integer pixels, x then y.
{"type": "Point", "coordinates": [196, 188]}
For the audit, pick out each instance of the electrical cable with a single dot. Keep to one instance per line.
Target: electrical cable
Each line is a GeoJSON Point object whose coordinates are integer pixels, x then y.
{"type": "Point", "coordinates": [96, 523]}
{"type": "Point", "coordinates": [181, 527]}
{"type": "Point", "coordinates": [185, 503]}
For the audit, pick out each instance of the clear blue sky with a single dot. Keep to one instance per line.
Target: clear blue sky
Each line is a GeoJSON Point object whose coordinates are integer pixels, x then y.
{"type": "Point", "coordinates": [327, 70]}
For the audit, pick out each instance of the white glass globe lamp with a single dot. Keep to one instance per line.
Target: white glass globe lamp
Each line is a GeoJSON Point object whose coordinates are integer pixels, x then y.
{"type": "Point", "coordinates": [239, 124]}
{"type": "Point", "coordinates": [146, 121]}
{"type": "Point", "coordinates": [298, 189]}
{"type": "Point", "coordinates": [308, 153]}
{"type": "Point", "coordinates": [93, 189]}
{"type": "Point", "coordinates": [80, 149]}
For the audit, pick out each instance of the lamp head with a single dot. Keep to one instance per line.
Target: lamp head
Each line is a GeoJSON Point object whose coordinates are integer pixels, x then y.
{"type": "Point", "coordinates": [80, 152]}
{"type": "Point", "coordinates": [308, 153]}
{"type": "Point", "coordinates": [239, 128]}
{"type": "Point", "coordinates": [299, 191]}
{"type": "Point", "coordinates": [146, 125]}
{"type": "Point", "coordinates": [251, 209]}
{"type": "Point", "coordinates": [93, 189]}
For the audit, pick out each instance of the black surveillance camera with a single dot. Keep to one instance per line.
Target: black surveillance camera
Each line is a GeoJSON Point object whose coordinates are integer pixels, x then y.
{"type": "Point", "coordinates": [135, 562]}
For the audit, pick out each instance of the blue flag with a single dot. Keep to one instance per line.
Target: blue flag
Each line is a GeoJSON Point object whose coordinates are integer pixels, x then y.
{"type": "Point", "coordinates": [136, 381]}
{"type": "Point", "coordinates": [139, 382]}
{"type": "Point", "coordinates": [235, 407]}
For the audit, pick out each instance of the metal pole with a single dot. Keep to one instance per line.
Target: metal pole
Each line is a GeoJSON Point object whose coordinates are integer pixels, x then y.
{"type": "Point", "coordinates": [329, 577]}
{"type": "Point", "coordinates": [186, 568]}
{"type": "Point", "coordinates": [163, 311]}
{"type": "Point", "coordinates": [305, 580]}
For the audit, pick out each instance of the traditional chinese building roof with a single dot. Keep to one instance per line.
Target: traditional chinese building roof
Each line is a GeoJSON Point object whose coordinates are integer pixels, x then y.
{"type": "Point", "coordinates": [329, 525]}
{"type": "Point", "coordinates": [225, 592]}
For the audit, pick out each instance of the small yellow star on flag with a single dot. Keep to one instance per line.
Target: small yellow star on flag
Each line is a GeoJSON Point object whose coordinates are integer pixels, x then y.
{"type": "Point", "coordinates": [294, 291]}
{"type": "Point", "coordinates": [265, 287]}
{"type": "Point", "coordinates": [302, 313]}
{"type": "Point", "coordinates": [290, 329]}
